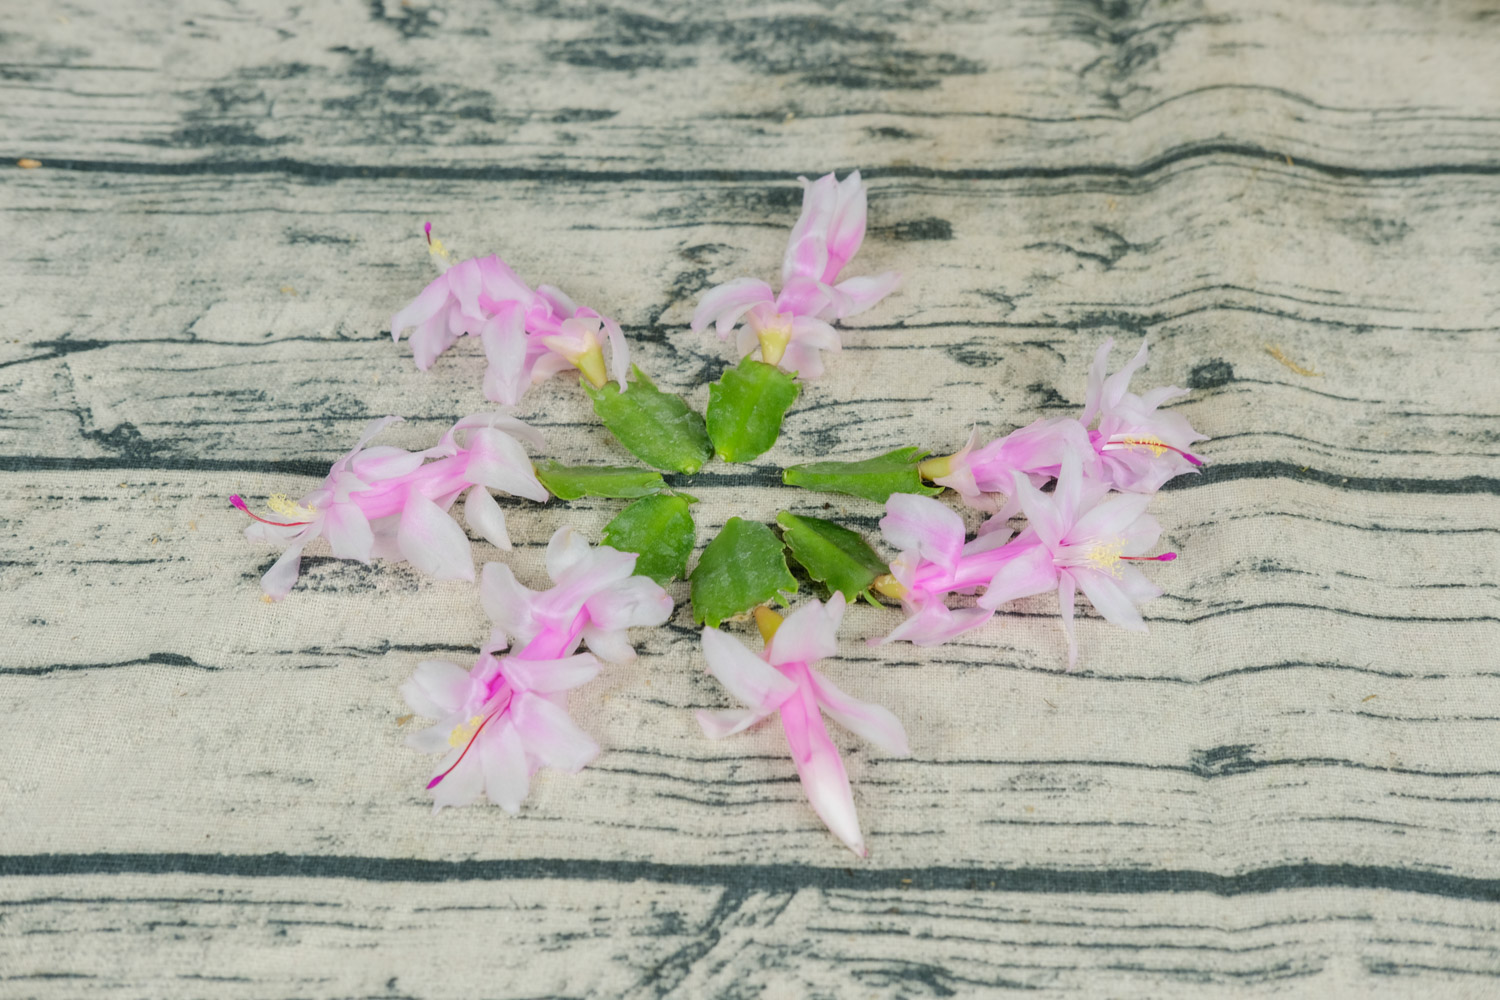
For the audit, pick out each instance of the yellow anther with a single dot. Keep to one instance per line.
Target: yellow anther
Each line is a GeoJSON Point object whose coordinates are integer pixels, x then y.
{"type": "Point", "coordinates": [463, 732]}
{"type": "Point", "coordinates": [1157, 446]}
{"type": "Point", "coordinates": [1106, 556]}
{"type": "Point", "coordinates": [889, 586]}
{"type": "Point", "coordinates": [281, 505]}
{"type": "Point", "coordinates": [441, 255]}
{"type": "Point", "coordinates": [768, 622]}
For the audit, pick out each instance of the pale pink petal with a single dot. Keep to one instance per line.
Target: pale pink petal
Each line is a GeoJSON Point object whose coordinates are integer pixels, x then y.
{"type": "Point", "coordinates": [282, 576]}
{"type": "Point", "coordinates": [1153, 398]}
{"type": "Point", "coordinates": [815, 333]}
{"type": "Point", "coordinates": [558, 300]}
{"type": "Point", "coordinates": [1109, 600]}
{"type": "Point", "coordinates": [750, 679]}
{"type": "Point", "coordinates": [437, 688]}
{"type": "Point", "coordinates": [501, 283]}
{"type": "Point", "coordinates": [801, 360]}
{"type": "Point", "coordinates": [1067, 590]}
{"type": "Point", "coordinates": [384, 462]}
{"type": "Point", "coordinates": [508, 604]}
{"type": "Point", "coordinates": [384, 545]}
{"type": "Point", "coordinates": [573, 564]}
{"type": "Point", "coordinates": [463, 785]}
{"type": "Point", "coordinates": [1118, 384]}
{"type": "Point", "coordinates": [432, 339]}
{"type": "Point", "coordinates": [809, 634]}
{"type": "Point", "coordinates": [433, 542]}
{"type": "Point", "coordinates": [925, 524]}
{"type": "Point", "coordinates": [865, 719]}
{"type": "Point", "coordinates": [431, 739]}
{"type": "Point", "coordinates": [422, 308]}
{"type": "Point", "coordinates": [821, 769]}
{"type": "Point", "coordinates": [1136, 587]}
{"type": "Point", "coordinates": [502, 760]}
{"type": "Point", "coordinates": [820, 200]}
{"type": "Point", "coordinates": [610, 645]}
{"type": "Point", "coordinates": [846, 230]}
{"type": "Point", "coordinates": [1029, 572]}
{"type": "Point", "coordinates": [568, 550]}
{"type": "Point", "coordinates": [506, 377]}
{"type": "Point", "coordinates": [549, 676]}
{"type": "Point", "coordinates": [348, 532]}
{"type": "Point", "coordinates": [854, 295]}
{"type": "Point", "coordinates": [550, 735]}
{"type": "Point", "coordinates": [723, 722]}
{"type": "Point", "coordinates": [1068, 495]}
{"type": "Point", "coordinates": [498, 461]}
{"type": "Point", "coordinates": [619, 351]}
{"type": "Point", "coordinates": [934, 624]}
{"type": "Point", "coordinates": [724, 304]}
{"type": "Point", "coordinates": [484, 515]}
{"type": "Point", "coordinates": [806, 258]}
{"type": "Point", "coordinates": [501, 422]}
{"type": "Point", "coordinates": [1109, 518]}
{"type": "Point", "coordinates": [1094, 397]}
{"type": "Point", "coordinates": [631, 603]}
{"type": "Point", "coordinates": [805, 297]}
{"type": "Point", "coordinates": [465, 283]}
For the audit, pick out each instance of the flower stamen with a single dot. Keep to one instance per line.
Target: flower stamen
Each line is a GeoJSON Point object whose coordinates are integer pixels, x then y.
{"type": "Point", "coordinates": [295, 511]}
{"type": "Point", "coordinates": [455, 736]}
{"type": "Point", "coordinates": [1164, 557]}
{"type": "Point", "coordinates": [1157, 445]}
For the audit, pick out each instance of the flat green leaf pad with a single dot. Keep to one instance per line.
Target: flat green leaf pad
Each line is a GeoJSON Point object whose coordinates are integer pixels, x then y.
{"type": "Point", "coordinates": [571, 482]}
{"type": "Point", "coordinates": [656, 427]}
{"type": "Point", "coordinates": [833, 555]}
{"type": "Point", "coordinates": [745, 408]}
{"type": "Point", "coordinates": [874, 478]}
{"type": "Point", "coordinates": [741, 568]}
{"type": "Point", "coordinates": [659, 528]}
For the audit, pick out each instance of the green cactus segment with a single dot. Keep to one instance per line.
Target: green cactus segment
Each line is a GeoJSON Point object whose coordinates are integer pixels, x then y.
{"type": "Point", "coordinates": [743, 567]}
{"type": "Point", "coordinates": [745, 408]}
{"type": "Point", "coordinates": [661, 530]}
{"type": "Point", "coordinates": [569, 482]}
{"type": "Point", "coordinates": [874, 478]}
{"type": "Point", "coordinates": [657, 427]}
{"type": "Point", "coordinates": [834, 556]}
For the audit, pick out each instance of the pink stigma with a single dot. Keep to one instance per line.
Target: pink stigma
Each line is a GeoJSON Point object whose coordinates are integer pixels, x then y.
{"type": "Point", "coordinates": [428, 230]}
{"type": "Point", "coordinates": [240, 503]}
{"type": "Point", "coordinates": [1164, 557]}
{"type": "Point", "coordinates": [1157, 444]}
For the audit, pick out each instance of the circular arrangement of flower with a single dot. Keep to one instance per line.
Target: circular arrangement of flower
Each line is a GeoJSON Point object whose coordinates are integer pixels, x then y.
{"type": "Point", "coordinates": [504, 718]}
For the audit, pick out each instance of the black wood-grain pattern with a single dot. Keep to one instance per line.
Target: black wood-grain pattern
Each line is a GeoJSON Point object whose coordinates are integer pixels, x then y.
{"type": "Point", "coordinates": [1290, 784]}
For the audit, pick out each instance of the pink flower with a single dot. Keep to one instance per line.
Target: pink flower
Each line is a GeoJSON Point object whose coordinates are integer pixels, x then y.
{"type": "Point", "coordinates": [498, 724]}
{"type": "Point", "coordinates": [505, 719]}
{"type": "Point", "coordinates": [528, 335]}
{"type": "Point", "coordinates": [792, 327]}
{"type": "Point", "coordinates": [782, 680]}
{"type": "Point", "coordinates": [390, 503]}
{"type": "Point", "coordinates": [1140, 446]}
{"type": "Point", "coordinates": [1080, 537]}
{"type": "Point", "coordinates": [594, 598]}
{"type": "Point", "coordinates": [979, 474]}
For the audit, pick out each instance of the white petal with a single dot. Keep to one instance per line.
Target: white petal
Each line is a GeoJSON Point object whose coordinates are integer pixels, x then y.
{"type": "Point", "coordinates": [1109, 600]}
{"type": "Point", "coordinates": [810, 633]}
{"type": "Point", "coordinates": [348, 532]}
{"type": "Point", "coordinates": [507, 776]}
{"type": "Point", "coordinates": [437, 688]}
{"type": "Point", "coordinates": [508, 603]}
{"type": "Point", "coordinates": [282, 576]}
{"type": "Point", "coordinates": [433, 542]}
{"type": "Point", "coordinates": [498, 461]}
{"type": "Point", "coordinates": [746, 676]}
{"type": "Point", "coordinates": [726, 303]}
{"type": "Point", "coordinates": [484, 515]}
{"type": "Point", "coordinates": [926, 524]}
{"type": "Point", "coordinates": [635, 602]}
{"type": "Point", "coordinates": [550, 735]}
{"type": "Point", "coordinates": [610, 645]}
{"type": "Point", "coordinates": [384, 462]}
{"type": "Point", "coordinates": [723, 722]}
{"type": "Point", "coordinates": [463, 785]}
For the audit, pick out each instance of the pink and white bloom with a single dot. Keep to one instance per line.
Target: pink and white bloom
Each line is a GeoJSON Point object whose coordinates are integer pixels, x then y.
{"type": "Point", "coordinates": [1140, 446]}
{"type": "Point", "coordinates": [1080, 537]}
{"type": "Point", "coordinates": [506, 718]}
{"type": "Point", "coordinates": [389, 503]}
{"type": "Point", "coordinates": [528, 335]}
{"type": "Point", "coordinates": [983, 474]}
{"type": "Point", "coordinates": [498, 724]}
{"type": "Point", "coordinates": [594, 598]}
{"type": "Point", "coordinates": [791, 327]}
{"type": "Point", "coordinates": [783, 680]}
